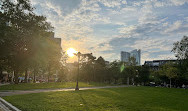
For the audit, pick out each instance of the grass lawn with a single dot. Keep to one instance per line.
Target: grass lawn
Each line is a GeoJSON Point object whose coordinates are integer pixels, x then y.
{"type": "Point", "coordinates": [30, 86]}
{"type": "Point", "coordinates": [115, 99]}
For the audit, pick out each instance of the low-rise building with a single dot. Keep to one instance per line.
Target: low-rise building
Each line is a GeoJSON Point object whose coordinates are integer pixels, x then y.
{"type": "Point", "coordinates": [155, 64]}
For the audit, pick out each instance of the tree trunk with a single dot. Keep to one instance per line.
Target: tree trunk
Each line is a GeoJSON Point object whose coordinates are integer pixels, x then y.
{"type": "Point", "coordinates": [93, 77]}
{"type": "Point", "coordinates": [16, 77]}
{"type": "Point", "coordinates": [109, 81]}
{"type": "Point", "coordinates": [34, 76]}
{"type": "Point", "coordinates": [94, 73]}
{"type": "Point", "coordinates": [133, 81]}
{"type": "Point", "coordinates": [127, 80]}
{"type": "Point", "coordinates": [12, 78]}
{"type": "Point", "coordinates": [26, 76]}
{"type": "Point", "coordinates": [1, 75]}
{"type": "Point", "coordinates": [49, 73]}
{"type": "Point", "coordinates": [48, 78]}
{"type": "Point", "coordinates": [115, 81]}
{"type": "Point", "coordinates": [170, 83]}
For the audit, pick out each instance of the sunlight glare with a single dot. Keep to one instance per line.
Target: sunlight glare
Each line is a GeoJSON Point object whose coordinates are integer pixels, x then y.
{"type": "Point", "coordinates": [71, 52]}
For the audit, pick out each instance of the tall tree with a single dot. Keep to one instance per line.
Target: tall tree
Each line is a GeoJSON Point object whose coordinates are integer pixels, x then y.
{"type": "Point", "coordinates": [180, 49]}
{"type": "Point", "coordinates": [13, 37]}
{"type": "Point", "coordinates": [25, 38]}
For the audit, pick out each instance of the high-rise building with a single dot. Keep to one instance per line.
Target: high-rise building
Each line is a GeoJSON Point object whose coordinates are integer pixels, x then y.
{"type": "Point", "coordinates": [135, 53]}
{"type": "Point", "coordinates": [125, 56]}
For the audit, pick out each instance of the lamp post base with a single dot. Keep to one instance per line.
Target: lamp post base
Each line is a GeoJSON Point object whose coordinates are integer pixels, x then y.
{"type": "Point", "coordinates": [76, 89]}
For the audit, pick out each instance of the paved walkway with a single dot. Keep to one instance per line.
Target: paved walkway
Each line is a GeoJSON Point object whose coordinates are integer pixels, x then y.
{"type": "Point", "coordinates": [19, 92]}
{"type": "Point", "coordinates": [3, 107]}
{"type": "Point", "coordinates": [3, 85]}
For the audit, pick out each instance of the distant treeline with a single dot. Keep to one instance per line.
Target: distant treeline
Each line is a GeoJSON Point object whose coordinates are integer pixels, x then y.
{"type": "Point", "coordinates": [170, 74]}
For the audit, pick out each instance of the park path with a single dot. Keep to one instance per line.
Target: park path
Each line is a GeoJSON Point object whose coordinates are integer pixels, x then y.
{"type": "Point", "coordinates": [19, 92]}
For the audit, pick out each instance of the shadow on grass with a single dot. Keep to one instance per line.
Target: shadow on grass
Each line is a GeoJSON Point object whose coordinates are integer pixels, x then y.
{"type": "Point", "coordinates": [84, 102]}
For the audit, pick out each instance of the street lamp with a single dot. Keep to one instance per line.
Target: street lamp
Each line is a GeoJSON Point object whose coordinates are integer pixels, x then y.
{"type": "Point", "coordinates": [78, 55]}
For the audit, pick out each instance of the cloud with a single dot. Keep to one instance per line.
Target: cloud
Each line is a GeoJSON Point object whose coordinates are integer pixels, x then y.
{"type": "Point", "coordinates": [153, 26]}
{"type": "Point", "coordinates": [158, 53]}
{"type": "Point", "coordinates": [178, 2]}
{"type": "Point", "coordinates": [174, 27]}
{"type": "Point", "coordinates": [112, 3]}
{"type": "Point", "coordinates": [160, 3]}
{"type": "Point", "coordinates": [177, 27]}
{"type": "Point", "coordinates": [106, 27]}
{"type": "Point", "coordinates": [122, 41]}
{"type": "Point", "coordinates": [63, 6]}
{"type": "Point", "coordinates": [140, 30]}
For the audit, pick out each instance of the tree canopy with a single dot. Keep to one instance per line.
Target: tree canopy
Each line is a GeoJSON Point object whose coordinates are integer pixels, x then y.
{"type": "Point", "coordinates": [26, 39]}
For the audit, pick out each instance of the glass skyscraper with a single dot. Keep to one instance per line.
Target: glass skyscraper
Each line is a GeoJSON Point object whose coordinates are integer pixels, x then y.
{"type": "Point", "coordinates": [135, 53]}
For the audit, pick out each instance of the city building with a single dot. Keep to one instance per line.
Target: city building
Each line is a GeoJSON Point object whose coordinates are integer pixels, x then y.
{"type": "Point", "coordinates": [57, 40]}
{"type": "Point", "coordinates": [155, 64]}
{"type": "Point", "coordinates": [125, 56]}
{"type": "Point", "coordinates": [135, 53]}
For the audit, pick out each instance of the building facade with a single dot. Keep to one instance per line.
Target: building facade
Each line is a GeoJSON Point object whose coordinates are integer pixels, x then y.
{"type": "Point", "coordinates": [135, 53]}
{"type": "Point", "coordinates": [155, 64]}
{"type": "Point", "coordinates": [125, 56]}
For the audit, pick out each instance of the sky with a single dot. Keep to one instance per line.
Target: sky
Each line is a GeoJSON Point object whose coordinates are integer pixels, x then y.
{"type": "Point", "coordinates": [107, 27]}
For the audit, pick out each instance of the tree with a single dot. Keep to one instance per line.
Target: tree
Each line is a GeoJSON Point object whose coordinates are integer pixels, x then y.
{"type": "Point", "coordinates": [53, 56]}
{"type": "Point", "coordinates": [170, 71]}
{"type": "Point", "coordinates": [99, 69]}
{"type": "Point", "coordinates": [180, 49]}
{"type": "Point", "coordinates": [114, 70]}
{"type": "Point", "coordinates": [62, 75]}
{"type": "Point", "coordinates": [14, 41]}
{"type": "Point", "coordinates": [142, 74]}
{"type": "Point", "coordinates": [87, 67]}
{"type": "Point", "coordinates": [130, 69]}
{"type": "Point", "coordinates": [26, 39]}
{"type": "Point", "coordinates": [158, 76]}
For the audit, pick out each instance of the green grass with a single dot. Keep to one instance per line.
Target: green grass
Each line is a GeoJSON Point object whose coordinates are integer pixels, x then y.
{"type": "Point", "coordinates": [30, 86]}
{"type": "Point", "coordinates": [115, 99]}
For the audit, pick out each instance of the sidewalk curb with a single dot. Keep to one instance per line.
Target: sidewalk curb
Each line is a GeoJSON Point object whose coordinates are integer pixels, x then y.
{"type": "Point", "coordinates": [10, 106]}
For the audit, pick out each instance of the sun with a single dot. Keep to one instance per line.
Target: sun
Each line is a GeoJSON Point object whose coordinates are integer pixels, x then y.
{"type": "Point", "coordinates": [71, 52]}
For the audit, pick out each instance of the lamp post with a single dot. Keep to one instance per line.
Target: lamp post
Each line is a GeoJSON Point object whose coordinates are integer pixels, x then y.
{"type": "Point", "coordinates": [78, 54]}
